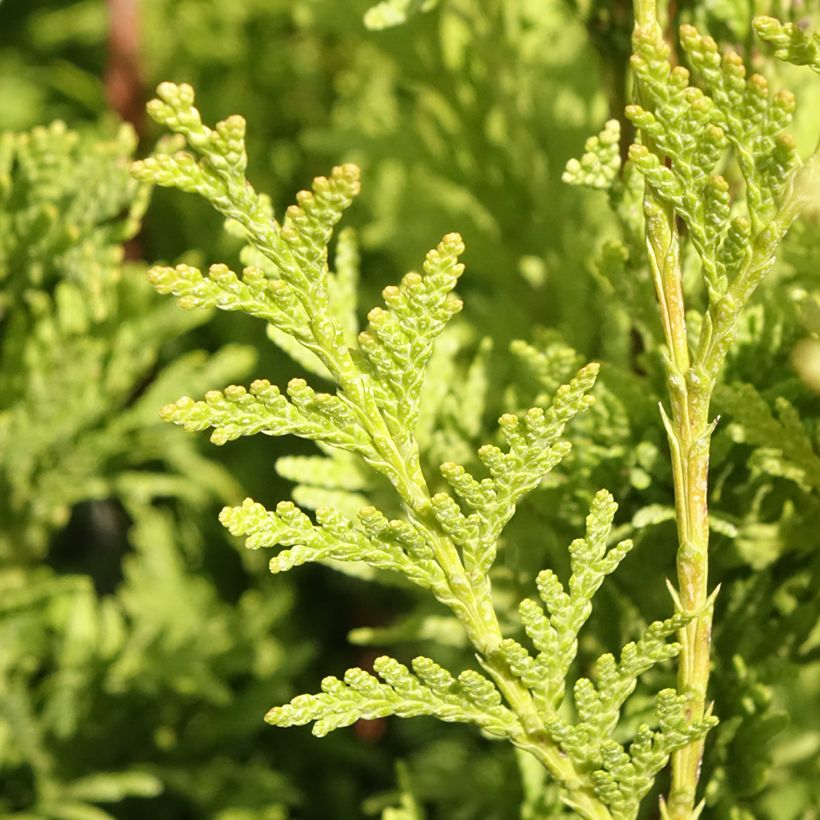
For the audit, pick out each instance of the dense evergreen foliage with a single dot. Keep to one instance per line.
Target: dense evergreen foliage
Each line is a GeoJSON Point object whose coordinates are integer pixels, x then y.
{"type": "Point", "coordinates": [468, 565]}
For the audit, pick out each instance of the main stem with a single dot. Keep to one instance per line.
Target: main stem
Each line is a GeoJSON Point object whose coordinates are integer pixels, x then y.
{"type": "Point", "coordinates": [689, 434]}
{"type": "Point", "coordinates": [689, 437]}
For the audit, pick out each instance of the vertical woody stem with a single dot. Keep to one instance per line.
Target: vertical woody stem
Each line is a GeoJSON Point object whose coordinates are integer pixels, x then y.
{"type": "Point", "coordinates": [689, 434]}
{"type": "Point", "coordinates": [123, 82]}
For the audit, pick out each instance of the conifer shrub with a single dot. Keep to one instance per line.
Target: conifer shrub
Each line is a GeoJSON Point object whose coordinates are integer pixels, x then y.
{"type": "Point", "coordinates": [574, 515]}
{"type": "Point", "coordinates": [706, 193]}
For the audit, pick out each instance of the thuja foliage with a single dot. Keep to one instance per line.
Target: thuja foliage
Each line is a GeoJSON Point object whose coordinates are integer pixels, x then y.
{"type": "Point", "coordinates": [443, 534]}
{"type": "Point", "coordinates": [81, 369]}
{"type": "Point", "coordinates": [471, 108]}
{"type": "Point", "coordinates": [685, 131]}
{"type": "Point", "coordinates": [445, 541]}
{"type": "Point", "coordinates": [102, 663]}
{"type": "Point", "coordinates": [461, 118]}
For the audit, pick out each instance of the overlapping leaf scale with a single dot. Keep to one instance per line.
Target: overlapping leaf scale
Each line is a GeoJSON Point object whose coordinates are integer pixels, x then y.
{"type": "Point", "coordinates": [379, 543]}
{"type": "Point", "coordinates": [598, 706]}
{"type": "Point", "coordinates": [548, 363]}
{"type": "Point", "coordinates": [398, 341]}
{"type": "Point", "coordinates": [791, 43]}
{"type": "Point", "coordinates": [427, 690]}
{"type": "Point", "coordinates": [691, 128]}
{"type": "Point", "coordinates": [295, 252]}
{"type": "Point", "coordinates": [752, 119]}
{"type": "Point", "coordinates": [342, 304]}
{"type": "Point", "coordinates": [308, 226]}
{"type": "Point", "coordinates": [253, 293]}
{"type": "Point", "coordinates": [694, 128]}
{"type": "Point", "coordinates": [599, 166]}
{"type": "Point", "coordinates": [237, 412]}
{"type": "Point", "coordinates": [215, 169]}
{"type": "Point", "coordinates": [553, 628]}
{"type": "Point", "coordinates": [534, 447]}
{"type": "Point", "coordinates": [590, 558]}
{"type": "Point", "coordinates": [683, 123]}
{"type": "Point", "coordinates": [622, 777]}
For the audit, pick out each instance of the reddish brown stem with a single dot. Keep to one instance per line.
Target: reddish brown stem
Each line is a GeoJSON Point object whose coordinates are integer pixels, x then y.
{"type": "Point", "coordinates": [123, 82]}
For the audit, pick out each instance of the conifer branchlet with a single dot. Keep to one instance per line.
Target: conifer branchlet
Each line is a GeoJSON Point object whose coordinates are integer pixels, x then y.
{"type": "Point", "coordinates": [446, 543]}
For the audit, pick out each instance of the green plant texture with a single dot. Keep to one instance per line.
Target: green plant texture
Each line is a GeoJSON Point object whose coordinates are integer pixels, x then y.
{"type": "Point", "coordinates": [83, 335]}
{"type": "Point", "coordinates": [447, 541]}
{"type": "Point", "coordinates": [91, 650]}
{"type": "Point", "coordinates": [642, 318]}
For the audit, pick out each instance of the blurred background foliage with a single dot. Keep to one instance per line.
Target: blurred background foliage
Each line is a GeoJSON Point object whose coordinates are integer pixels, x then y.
{"type": "Point", "coordinates": [139, 648]}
